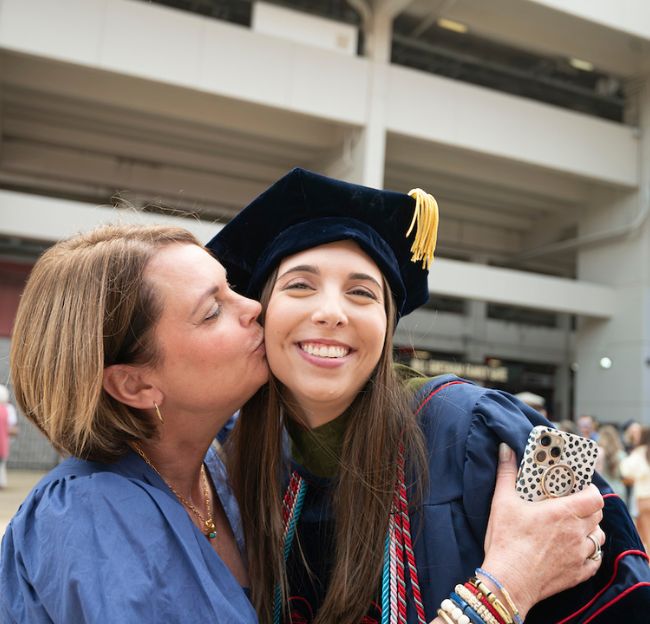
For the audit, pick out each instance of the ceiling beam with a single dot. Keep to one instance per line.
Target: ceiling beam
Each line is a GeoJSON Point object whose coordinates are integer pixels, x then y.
{"type": "Point", "coordinates": [519, 288]}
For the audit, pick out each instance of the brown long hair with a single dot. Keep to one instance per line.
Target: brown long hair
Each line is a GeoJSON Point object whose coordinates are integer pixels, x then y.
{"type": "Point", "coordinates": [87, 305]}
{"type": "Point", "coordinates": [379, 420]}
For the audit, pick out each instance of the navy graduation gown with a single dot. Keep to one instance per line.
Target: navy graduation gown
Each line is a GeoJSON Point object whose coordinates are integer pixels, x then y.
{"type": "Point", "coordinates": [111, 543]}
{"type": "Point", "coordinates": [463, 425]}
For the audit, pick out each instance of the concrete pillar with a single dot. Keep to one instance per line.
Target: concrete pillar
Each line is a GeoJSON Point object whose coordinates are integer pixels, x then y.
{"type": "Point", "coordinates": [621, 391]}
{"type": "Point", "coordinates": [561, 408]}
{"type": "Point", "coordinates": [476, 325]}
{"type": "Point", "coordinates": [364, 153]}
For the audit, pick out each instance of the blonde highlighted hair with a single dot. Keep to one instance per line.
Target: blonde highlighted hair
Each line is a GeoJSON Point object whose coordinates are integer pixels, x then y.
{"type": "Point", "coordinates": [86, 306]}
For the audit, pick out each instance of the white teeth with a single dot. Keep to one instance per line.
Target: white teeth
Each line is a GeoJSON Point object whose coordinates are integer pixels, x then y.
{"type": "Point", "coordinates": [326, 351]}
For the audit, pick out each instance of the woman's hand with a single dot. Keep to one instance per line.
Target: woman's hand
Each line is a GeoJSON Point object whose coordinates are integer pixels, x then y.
{"type": "Point", "coordinates": [539, 549]}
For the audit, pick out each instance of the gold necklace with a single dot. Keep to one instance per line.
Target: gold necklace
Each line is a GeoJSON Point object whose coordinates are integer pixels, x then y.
{"type": "Point", "coordinates": [210, 528]}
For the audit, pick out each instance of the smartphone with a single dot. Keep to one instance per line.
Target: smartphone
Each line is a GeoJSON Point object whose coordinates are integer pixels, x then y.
{"type": "Point", "coordinates": [555, 463]}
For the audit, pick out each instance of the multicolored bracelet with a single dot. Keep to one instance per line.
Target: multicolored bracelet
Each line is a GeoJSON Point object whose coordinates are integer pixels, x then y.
{"type": "Point", "coordinates": [504, 592]}
{"type": "Point", "coordinates": [452, 609]}
{"type": "Point", "coordinates": [491, 599]}
{"type": "Point", "coordinates": [470, 612]}
{"type": "Point", "coordinates": [485, 602]}
{"type": "Point", "coordinates": [475, 603]}
{"type": "Point", "coordinates": [443, 616]}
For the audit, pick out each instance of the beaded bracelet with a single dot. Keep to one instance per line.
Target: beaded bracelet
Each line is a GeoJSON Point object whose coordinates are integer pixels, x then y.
{"type": "Point", "coordinates": [473, 616]}
{"type": "Point", "coordinates": [443, 615]}
{"type": "Point", "coordinates": [504, 592]}
{"type": "Point", "coordinates": [451, 608]}
{"type": "Point", "coordinates": [485, 602]}
{"type": "Point", "coordinates": [492, 599]}
{"type": "Point", "coordinates": [475, 603]}
{"type": "Point", "coordinates": [454, 610]}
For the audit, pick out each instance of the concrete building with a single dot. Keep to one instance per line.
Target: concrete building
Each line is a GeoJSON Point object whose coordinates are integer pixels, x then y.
{"type": "Point", "coordinates": [529, 120]}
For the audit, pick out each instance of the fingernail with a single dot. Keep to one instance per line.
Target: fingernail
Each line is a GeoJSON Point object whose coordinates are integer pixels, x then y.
{"type": "Point", "coordinates": [504, 452]}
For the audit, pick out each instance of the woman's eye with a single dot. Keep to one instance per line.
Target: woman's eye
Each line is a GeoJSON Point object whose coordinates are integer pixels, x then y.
{"type": "Point", "coordinates": [214, 313]}
{"type": "Point", "coordinates": [362, 292]}
{"type": "Point", "coordinates": [298, 286]}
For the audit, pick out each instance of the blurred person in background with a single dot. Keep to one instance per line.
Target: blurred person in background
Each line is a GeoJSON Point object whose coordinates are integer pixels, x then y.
{"type": "Point", "coordinates": [610, 455]}
{"type": "Point", "coordinates": [588, 427]}
{"type": "Point", "coordinates": [636, 467]}
{"type": "Point", "coordinates": [8, 429]}
{"type": "Point", "coordinates": [533, 400]}
{"type": "Point", "coordinates": [631, 435]}
{"type": "Point", "coordinates": [631, 439]}
{"type": "Point", "coordinates": [567, 425]}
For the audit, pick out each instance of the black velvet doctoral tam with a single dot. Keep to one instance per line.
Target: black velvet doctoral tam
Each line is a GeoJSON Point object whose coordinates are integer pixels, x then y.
{"type": "Point", "coordinates": [304, 210]}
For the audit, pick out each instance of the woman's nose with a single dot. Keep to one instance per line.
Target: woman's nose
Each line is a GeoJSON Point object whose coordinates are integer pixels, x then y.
{"type": "Point", "coordinates": [250, 310]}
{"type": "Point", "coordinates": [329, 313]}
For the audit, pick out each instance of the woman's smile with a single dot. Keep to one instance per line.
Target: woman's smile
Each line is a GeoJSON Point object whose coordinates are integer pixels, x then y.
{"type": "Point", "coordinates": [324, 354]}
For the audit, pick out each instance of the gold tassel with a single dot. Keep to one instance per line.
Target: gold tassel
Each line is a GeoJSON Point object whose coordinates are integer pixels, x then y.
{"type": "Point", "coordinates": [426, 235]}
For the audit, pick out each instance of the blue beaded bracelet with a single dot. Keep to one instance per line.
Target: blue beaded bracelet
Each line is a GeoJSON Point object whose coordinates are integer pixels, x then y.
{"type": "Point", "coordinates": [515, 613]}
{"type": "Point", "coordinates": [466, 609]}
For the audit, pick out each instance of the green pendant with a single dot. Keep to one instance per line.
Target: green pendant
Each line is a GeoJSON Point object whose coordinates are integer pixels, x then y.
{"type": "Point", "coordinates": [210, 529]}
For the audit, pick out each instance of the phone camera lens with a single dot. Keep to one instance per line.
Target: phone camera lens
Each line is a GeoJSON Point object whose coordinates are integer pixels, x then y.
{"type": "Point", "coordinates": [555, 451]}
{"type": "Point", "coordinates": [540, 456]}
{"type": "Point", "coordinates": [546, 440]}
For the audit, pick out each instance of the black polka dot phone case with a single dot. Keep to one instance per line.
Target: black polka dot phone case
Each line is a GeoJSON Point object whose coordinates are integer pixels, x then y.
{"type": "Point", "coordinates": [555, 463]}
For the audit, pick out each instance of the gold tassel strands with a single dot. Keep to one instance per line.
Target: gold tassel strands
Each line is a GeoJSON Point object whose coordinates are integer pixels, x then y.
{"type": "Point", "coordinates": [425, 220]}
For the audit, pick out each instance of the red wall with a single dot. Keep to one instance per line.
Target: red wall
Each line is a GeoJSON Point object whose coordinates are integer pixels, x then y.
{"type": "Point", "coordinates": [12, 281]}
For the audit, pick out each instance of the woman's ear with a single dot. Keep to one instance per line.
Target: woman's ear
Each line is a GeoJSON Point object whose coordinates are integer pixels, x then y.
{"type": "Point", "coordinates": [128, 385]}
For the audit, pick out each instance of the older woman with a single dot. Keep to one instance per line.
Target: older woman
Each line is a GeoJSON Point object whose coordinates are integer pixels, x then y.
{"type": "Point", "coordinates": [373, 450]}
{"type": "Point", "coordinates": [130, 352]}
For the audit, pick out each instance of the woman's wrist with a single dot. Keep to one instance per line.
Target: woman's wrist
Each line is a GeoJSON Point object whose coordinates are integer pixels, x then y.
{"type": "Point", "coordinates": [485, 598]}
{"type": "Point", "coordinates": [521, 595]}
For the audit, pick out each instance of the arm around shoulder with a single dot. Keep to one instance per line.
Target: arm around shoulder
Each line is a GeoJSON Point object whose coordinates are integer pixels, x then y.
{"type": "Point", "coordinates": [623, 579]}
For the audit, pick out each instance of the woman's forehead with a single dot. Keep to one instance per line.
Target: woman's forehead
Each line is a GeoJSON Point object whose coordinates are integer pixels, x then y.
{"type": "Point", "coordinates": [183, 261]}
{"type": "Point", "coordinates": [331, 253]}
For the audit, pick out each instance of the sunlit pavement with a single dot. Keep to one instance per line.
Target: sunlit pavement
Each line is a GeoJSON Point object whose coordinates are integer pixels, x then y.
{"type": "Point", "coordinates": [20, 483]}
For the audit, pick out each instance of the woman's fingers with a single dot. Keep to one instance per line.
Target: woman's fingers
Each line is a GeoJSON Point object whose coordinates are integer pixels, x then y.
{"type": "Point", "coordinates": [506, 475]}
{"type": "Point", "coordinates": [507, 468]}
{"type": "Point", "coordinates": [594, 543]}
{"type": "Point", "coordinates": [585, 503]}
{"type": "Point", "coordinates": [542, 548]}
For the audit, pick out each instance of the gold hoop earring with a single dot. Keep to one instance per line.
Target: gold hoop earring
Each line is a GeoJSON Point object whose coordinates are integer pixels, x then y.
{"type": "Point", "coordinates": [160, 418]}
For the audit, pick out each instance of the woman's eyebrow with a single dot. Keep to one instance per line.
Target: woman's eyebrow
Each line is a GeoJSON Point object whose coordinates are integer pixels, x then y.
{"type": "Point", "coordinates": [302, 268]}
{"type": "Point", "coordinates": [364, 276]}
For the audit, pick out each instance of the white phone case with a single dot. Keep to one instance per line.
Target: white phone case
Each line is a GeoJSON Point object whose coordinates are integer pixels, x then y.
{"type": "Point", "coordinates": [555, 463]}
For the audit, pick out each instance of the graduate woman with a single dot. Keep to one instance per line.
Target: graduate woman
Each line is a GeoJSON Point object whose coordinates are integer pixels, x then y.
{"type": "Point", "coordinates": [130, 352]}
{"type": "Point", "coordinates": [375, 507]}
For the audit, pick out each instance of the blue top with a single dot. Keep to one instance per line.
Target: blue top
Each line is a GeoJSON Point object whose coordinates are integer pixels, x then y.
{"type": "Point", "coordinates": [111, 543]}
{"type": "Point", "coordinates": [463, 425]}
